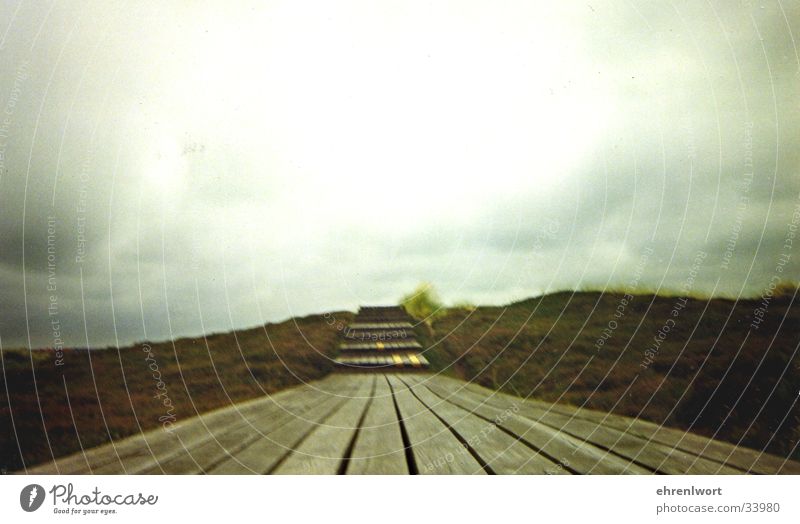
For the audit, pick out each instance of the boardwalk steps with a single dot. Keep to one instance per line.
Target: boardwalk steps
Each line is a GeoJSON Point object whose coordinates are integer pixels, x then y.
{"type": "Point", "coordinates": [418, 423]}
{"type": "Point", "coordinates": [380, 337]}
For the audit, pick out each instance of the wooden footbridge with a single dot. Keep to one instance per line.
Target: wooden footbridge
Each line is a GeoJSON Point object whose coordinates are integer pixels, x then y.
{"type": "Point", "coordinates": [380, 338]}
{"type": "Point", "coordinates": [400, 419]}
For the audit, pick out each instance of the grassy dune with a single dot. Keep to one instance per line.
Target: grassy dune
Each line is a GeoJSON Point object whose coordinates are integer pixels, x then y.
{"type": "Point", "coordinates": [707, 373]}
{"type": "Point", "coordinates": [547, 347]}
{"type": "Point", "coordinates": [196, 375]}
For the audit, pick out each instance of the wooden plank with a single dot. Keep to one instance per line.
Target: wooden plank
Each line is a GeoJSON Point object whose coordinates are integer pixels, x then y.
{"type": "Point", "coordinates": [334, 384]}
{"type": "Point", "coordinates": [498, 451]}
{"type": "Point", "coordinates": [277, 443]}
{"type": "Point", "coordinates": [205, 436]}
{"type": "Point", "coordinates": [380, 325]}
{"type": "Point", "coordinates": [379, 448]}
{"type": "Point", "coordinates": [435, 449]}
{"type": "Point", "coordinates": [206, 455]}
{"type": "Point", "coordinates": [111, 458]}
{"type": "Point", "coordinates": [568, 452]}
{"type": "Point", "coordinates": [651, 455]}
{"type": "Point", "coordinates": [323, 451]}
{"type": "Point", "coordinates": [283, 433]}
{"type": "Point", "coordinates": [743, 458]}
{"type": "Point", "coordinates": [739, 458]}
{"type": "Point", "coordinates": [379, 346]}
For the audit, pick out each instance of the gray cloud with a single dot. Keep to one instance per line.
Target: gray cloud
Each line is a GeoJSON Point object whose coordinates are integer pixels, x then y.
{"type": "Point", "coordinates": [224, 167]}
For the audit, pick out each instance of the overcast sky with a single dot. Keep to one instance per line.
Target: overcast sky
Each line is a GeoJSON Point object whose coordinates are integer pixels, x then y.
{"type": "Point", "coordinates": [209, 165]}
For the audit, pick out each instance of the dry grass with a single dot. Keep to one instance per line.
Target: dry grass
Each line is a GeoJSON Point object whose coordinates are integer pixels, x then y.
{"type": "Point", "coordinates": [546, 347]}
{"type": "Point", "coordinates": [708, 374]}
{"type": "Point", "coordinates": [198, 375]}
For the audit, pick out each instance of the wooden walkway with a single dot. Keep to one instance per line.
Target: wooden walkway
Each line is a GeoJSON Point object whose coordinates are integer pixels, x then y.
{"type": "Point", "coordinates": [380, 337]}
{"type": "Point", "coordinates": [413, 422]}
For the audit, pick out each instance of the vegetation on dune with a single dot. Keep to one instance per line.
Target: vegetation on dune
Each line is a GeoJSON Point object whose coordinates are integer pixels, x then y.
{"type": "Point", "coordinates": [722, 368]}
{"type": "Point", "coordinates": [465, 305]}
{"type": "Point", "coordinates": [112, 394]}
{"type": "Point", "coordinates": [786, 288]}
{"type": "Point", "coordinates": [423, 304]}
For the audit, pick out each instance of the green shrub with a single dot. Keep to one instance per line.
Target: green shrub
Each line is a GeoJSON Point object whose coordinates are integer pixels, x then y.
{"type": "Point", "coordinates": [423, 303]}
